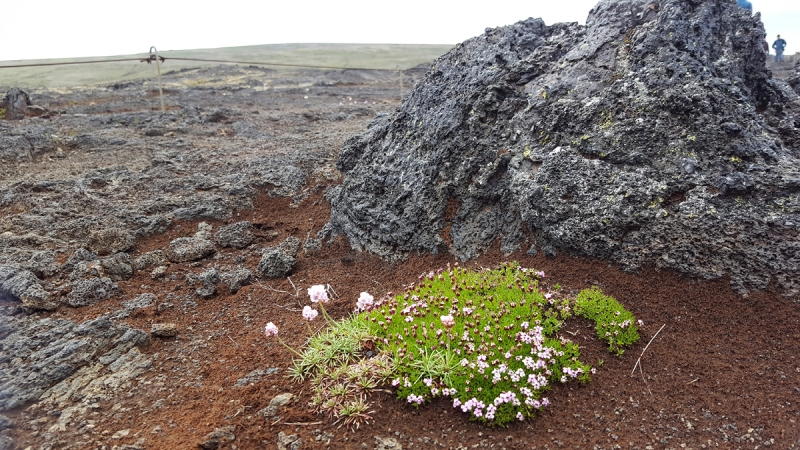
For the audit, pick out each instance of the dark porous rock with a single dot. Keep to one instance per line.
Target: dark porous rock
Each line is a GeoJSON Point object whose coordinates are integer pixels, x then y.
{"type": "Point", "coordinates": [149, 259]}
{"type": "Point", "coordinates": [214, 208]}
{"type": "Point", "coordinates": [39, 353]}
{"type": "Point", "coordinates": [290, 246]}
{"type": "Point", "coordinates": [238, 278]}
{"type": "Point", "coordinates": [22, 285]}
{"type": "Point", "coordinates": [7, 443]}
{"type": "Point", "coordinates": [208, 281]}
{"type": "Point", "coordinates": [5, 423]}
{"type": "Point", "coordinates": [111, 240]}
{"type": "Point", "coordinates": [15, 104]}
{"type": "Point", "coordinates": [289, 441]}
{"type": "Point", "coordinates": [187, 249]}
{"type": "Point", "coordinates": [43, 263]}
{"type": "Point", "coordinates": [236, 235]}
{"type": "Point", "coordinates": [275, 263]}
{"type": "Point", "coordinates": [90, 291]}
{"type": "Point", "coordinates": [312, 246]}
{"type": "Point", "coordinates": [218, 438]}
{"type": "Point", "coordinates": [118, 267]}
{"type": "Point", "coordinates": [80, 256]}
{"type": "Point", "coordinates": [653, 135]}
{"type": "Point", "coordinates": [140, 301]}
{"type": "Point", "coordinates": [794, 78]}
{"type": "Point", "coordinates": [164, 330]}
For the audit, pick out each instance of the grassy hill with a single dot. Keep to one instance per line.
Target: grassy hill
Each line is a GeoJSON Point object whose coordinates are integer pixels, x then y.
{"type": "Point", "coordinates": [377, 56]}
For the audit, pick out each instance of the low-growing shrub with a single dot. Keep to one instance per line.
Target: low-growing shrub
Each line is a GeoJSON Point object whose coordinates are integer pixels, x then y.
{"type": "Point", "coordinates": [613, 323]}
{"type": "Point", "coordinates": [486, 339]}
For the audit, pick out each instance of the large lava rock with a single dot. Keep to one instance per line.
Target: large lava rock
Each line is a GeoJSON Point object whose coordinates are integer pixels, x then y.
{"type": "Point", "coordinates": [653, 135]}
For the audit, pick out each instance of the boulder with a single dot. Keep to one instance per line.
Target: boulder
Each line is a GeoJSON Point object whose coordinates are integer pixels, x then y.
{"type": "Point", "coordinates": [15, 104]}
{"type": "Point", "coordinates": [111, 240]}
{"type": "Point", "coordinates": [653, 135]}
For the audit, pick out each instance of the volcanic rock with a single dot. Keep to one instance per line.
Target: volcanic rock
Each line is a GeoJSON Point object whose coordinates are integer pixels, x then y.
{"type": "Point", "coordinates": [38, 354]}
{"type": "Point", "coordinates": [236, 235]}
{"type": "Point", "coordinates": [111, 240]}
{"type": "Point", "coordinates": [653, 135]}
{"type": "Point", "coordinates": [23, 285]}
{"type": "Point", "coordinates": [15, 104]}
{"type": "Point", "coordinates": [90, 291]}
{"type": "Point", "coordinates": [187, 249]}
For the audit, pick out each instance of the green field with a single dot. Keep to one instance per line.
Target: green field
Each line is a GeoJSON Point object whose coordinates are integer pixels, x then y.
{"type": "Point", "coordinates": [374, 56]}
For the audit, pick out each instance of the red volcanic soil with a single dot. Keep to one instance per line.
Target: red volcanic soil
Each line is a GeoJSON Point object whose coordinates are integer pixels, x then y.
{"type": "Point", "coordinates": [723, 373]}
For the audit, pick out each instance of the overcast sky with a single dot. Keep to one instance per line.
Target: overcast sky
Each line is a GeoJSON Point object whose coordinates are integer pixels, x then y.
{"type": "Point", "coordinates": [72, 28]}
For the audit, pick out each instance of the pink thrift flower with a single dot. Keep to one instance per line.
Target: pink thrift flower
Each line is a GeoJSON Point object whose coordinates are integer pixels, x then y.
{"type": "Point", "coordinates": [309, 314]}
{"type": "Point", "coordinates": [318, 294]}
{"type": "Point", "coordinates": [271, 329]}
{"type": "Point", "coordinates": [448, 321]}
{"type": "Point", "coordinates": [365, 302]}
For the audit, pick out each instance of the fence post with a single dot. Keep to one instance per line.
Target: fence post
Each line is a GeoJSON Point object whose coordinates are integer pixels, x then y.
{"type": "Point", "coordinates": [154, 52]}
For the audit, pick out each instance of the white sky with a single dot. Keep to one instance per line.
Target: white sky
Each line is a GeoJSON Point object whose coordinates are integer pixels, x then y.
{"type": "Point", "coordinates": [72, 28]}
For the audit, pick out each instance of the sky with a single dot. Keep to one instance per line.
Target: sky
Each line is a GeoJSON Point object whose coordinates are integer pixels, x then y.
{"type": "Point", "coordinates": [76, 28]}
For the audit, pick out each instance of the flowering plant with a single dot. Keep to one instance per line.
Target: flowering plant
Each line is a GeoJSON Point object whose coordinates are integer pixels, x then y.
{"type": "Point", "coordinates": [489, 340]}
{"type": "Point", "coordinates": [486, 339]}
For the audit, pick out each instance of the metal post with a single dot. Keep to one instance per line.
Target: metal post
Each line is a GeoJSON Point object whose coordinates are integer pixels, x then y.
{"type": "Point", "coordinates": [154, 52]}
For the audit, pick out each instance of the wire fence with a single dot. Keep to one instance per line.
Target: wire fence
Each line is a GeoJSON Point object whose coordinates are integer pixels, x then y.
{"type": "Point", "coordinates": [155, 58]}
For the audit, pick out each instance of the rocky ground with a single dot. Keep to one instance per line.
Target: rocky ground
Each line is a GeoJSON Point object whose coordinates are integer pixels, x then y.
{"type": "Point", "coordinates": [142, 253]}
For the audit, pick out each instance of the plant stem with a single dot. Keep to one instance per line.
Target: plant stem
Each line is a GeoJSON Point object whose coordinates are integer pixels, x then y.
{"type": "Point", "coordinates": [290, 348]}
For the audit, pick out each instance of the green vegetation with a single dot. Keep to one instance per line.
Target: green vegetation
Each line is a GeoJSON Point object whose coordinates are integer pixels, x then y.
{"type": "Point", "coordinates": [487, 339]}
{"type": "Point", "coordinates": [613, 323]}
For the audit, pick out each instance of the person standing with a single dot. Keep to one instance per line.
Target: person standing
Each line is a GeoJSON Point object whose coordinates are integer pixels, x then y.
{"type": "Point", "coordinates": [745, 4]}
{"type": "Point", "coordinates": [779, 45]}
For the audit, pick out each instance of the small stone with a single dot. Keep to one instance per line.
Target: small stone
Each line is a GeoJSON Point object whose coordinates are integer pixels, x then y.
{"type": "Point", "coordinates": [187, 249]}
{"type": "Point", "coordinates": [312, 246]}
{"type": "Point", "coordinates": [290, 246]}
{"type": "Point", "coordinates": [236, 235]}
{"type": "Point", "coordinates": [150, 259]}
{"type": "Point", "coordinates": [117, 267]}
{"type": "Point", "coordinates": [273, 409]}
{"type": "Point", "coordinates": [6, 443]}
{"type": "Point", "coordinates": [218, 438]}
{"type": "Point", "coordinates": [111, 240]}
{"type": "Point", "coordinates": [164, 330]}
{"type": "Point", "coordinates": [158, 272]}
{"type": "Point", "coordinates": [387, 444]}
{"type": "Point", "coordinates": [276, 264]}
{"type": "Point", "coordinates": [90, 291]}
{"type": "Point", "coordinates": [238, 279]}
{"type": "Point", "coordinates": [164, 306]}
{"type": "Point", "coordinates": [140, 301]}
{"type": "Point", "coordinates": [120, 434]}
{"type": "Point", "coordinates": [289, 442]}
{"type": "Point", "coordinates": [5, 422]}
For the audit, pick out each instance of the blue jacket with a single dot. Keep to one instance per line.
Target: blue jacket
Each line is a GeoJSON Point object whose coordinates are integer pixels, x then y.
{"type": "Point", "coordinates": [745, 4]}
{"type": "Point", "coordinates": [779, 45]}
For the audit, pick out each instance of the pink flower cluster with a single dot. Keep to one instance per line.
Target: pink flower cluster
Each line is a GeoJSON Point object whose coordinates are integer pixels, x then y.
{"type": "Point", "coordinates": [365, 302]}
{"type": "Point", "coordinates": [271, 329]}
{"type": "Point", "coordinates": [418, 399]}
{"type": "Point", "coordinates": [318, 294]}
